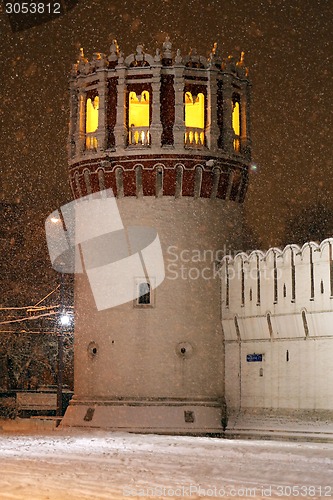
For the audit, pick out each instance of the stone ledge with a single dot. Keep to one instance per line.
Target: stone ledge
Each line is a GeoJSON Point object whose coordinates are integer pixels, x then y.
{"type": "Point", "coordinates": [284, 424]}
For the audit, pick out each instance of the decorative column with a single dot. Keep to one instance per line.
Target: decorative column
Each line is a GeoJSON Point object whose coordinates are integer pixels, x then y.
{"type": "Point", "coordinates": [179, 125]}
{"type": "Point", "coordinates": [228, 132]}
{"type": "Point", "coordinates": [212, 130]}
{"type": "Point", "coordinates": [83, 68]}
{"type": "Point", "coordinates": [120, 129]}
{"type": "Point", "coordinates": [247, 119]}
{"type": "Point", "coordinates": [80, 133]}
{"type": "Point", "coordinates": [73, 118]}
{"type": "Point", "coordinates": [156, 125]}
{"type": "Point", "coordinates": [101, 89]}
{"type": "Point", "coordinates": [242, 73]}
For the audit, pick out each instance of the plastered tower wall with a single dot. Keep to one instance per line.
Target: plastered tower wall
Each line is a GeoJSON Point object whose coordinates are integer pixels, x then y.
{"type": "Point", "coordinates": [139, 358]}
{"type": "Point", "coordinates": [160, 368]}
{"type": "Point", "coordinates": [277, 317]}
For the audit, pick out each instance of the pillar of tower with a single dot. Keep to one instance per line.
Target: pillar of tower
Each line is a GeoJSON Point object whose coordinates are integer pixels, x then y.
{"type": "Point", "coordinates": [212, 127]}
{"type": "Point", "coordinates": [156, 125]}
{"type": "Point", "coordinates": [179, 126]}
{"type": "Point", "coordinates": [80, 134]}
{"type": "Point", "coordinates": [120, 131]}
{"type": "Point", "coordinates": [247, 117]}
{"type": "Point", "coordinates": [101, 131]}
{"type": "Point", "coordinates": [228, 133]}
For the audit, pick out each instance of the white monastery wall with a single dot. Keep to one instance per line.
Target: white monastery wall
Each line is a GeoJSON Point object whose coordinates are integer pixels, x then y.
{"type": "Point", "coordinates": [277, 318]}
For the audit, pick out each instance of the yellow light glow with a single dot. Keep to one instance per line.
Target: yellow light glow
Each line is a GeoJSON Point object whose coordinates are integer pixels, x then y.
{"type": "Point", "coordinates": [138, 113]}
{"type": "Point", "coordinates": [194, 111]}
{"type": "Point", "coordinates": [235, 118]}
{"type": "Point", "coordinates": [236, 123]}
{"type": "Point", "coordinates": [92, 115]}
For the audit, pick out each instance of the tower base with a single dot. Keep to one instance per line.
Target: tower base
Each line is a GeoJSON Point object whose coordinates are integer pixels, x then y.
{"type": "Point", "coordinates": [156, 416]}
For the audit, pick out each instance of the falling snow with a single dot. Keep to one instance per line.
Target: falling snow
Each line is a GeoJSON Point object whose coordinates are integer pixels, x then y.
{"type": "Point", "coordinates": [287, 47]}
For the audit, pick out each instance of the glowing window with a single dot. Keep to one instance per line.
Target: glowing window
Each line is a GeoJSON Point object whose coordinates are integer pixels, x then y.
{"type": "Point", "coordinates": [138, 113]}
{"type": "Point", "coordinates": [194, 110]}
{"type": "Point", "coordinates": [236, 121]}
{"type": "Point", "coordinates": [92, 115]}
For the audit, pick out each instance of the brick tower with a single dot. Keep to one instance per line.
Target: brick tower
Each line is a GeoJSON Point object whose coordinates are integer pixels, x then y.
{"type": "Point", "coordinates": [170, 134]}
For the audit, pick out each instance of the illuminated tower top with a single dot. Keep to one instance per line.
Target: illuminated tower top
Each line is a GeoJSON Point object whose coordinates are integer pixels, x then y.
{"type": "Point", "coordinates": [160, 107]}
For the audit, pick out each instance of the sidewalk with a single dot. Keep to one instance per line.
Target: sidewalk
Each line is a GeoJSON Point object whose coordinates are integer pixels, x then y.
{"type": "Point", "coordinates": [241, 425]}
{"type": "Point", "coordinates": [279, 425]}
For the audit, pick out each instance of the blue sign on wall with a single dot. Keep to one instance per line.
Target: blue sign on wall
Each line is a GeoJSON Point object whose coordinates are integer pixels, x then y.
{"type": "Point", "coordinates": [253, 357]}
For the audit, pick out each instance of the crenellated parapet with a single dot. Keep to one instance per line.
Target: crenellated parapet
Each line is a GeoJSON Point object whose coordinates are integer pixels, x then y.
{"type": "Point", "coordinates": [278, 294]}
{"type": "Point", "coordinates": [186, 114]}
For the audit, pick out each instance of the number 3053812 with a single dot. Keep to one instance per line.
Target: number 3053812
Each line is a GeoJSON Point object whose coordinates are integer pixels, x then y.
{"type": "Point", "coordinates": [32, 8]}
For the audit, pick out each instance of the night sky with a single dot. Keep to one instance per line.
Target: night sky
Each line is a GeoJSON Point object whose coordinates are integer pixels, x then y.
{"type": "Point", "coordinates": [287, 48]}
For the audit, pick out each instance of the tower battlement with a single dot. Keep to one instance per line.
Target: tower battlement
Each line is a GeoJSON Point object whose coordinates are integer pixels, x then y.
{"type": "Point", "coordinates": [158, 125]}
{"type": "Point", "coordinates": [295, 280]}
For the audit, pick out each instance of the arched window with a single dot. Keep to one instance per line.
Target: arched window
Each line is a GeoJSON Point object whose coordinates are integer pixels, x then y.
{"type": "Point", "coordinates": [144, 293]}
{"type": "Point", "coordinates": [92, 106]}
{"type": "Point", "coordinates": [138, 118]}
{"type": "Point", "coordinates": [194, 110]}
{"type": "Point", "coordinates": [194, 118]}
{"type": "Point", "coordinates": [236, 121]}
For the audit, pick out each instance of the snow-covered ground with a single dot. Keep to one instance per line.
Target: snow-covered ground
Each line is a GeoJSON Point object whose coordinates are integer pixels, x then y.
{"type": "Point", "coordinates": [80, 465]}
